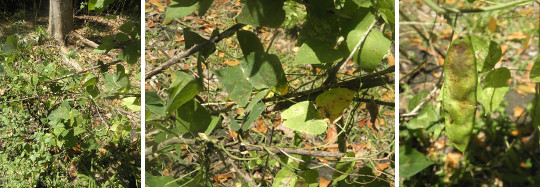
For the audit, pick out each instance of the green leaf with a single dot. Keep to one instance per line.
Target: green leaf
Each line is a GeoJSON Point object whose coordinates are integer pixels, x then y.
{"type": "Point", "coordinates": [254, 115]}
{"type": "Point", "coordinates": [58, 114]}
{"type": "Point", "coordinates": [534, 75]}
{"type": "Point", "coordinates": [263, 70]}
{"type": "Point", "coordinates": [316, 52]}
{"type": "Point", "coordinates": [183, 89]}
{"type": "Point", "coordinates": [160, 181]}
{"type": "Point", "coordinates": [411, 162]}
{"type": "Point", "coordinates": [122, 37]}
{"type": "Point", "coordinates": [534, 108]}
{"type": "Point", "coordinates": [249, 42]}
{"type": "Point", "coordinates": [371, 51]}
{"type": "Point", "coordinates": [233, 81]}
{"type": "Point", "coordinates": [304, 117]}
{"type": "Point", "coordinates": [204, 5]}
{"type": "Point", "coordinates": [121, 79]}
{"type": "Point", "coordinates": [133, 103]}
{"type": "Point", "coordinates": [495, 87]}
{"type": "Point", "coordinates": [416, 99]}
{"type": "Point", "coordinates": [180, 8]}
{"type": "Point", "coordinates": [258, 97]}
{"type": "Point", "coordinates": [92, 91]}
{"type": "Point", "coordinates": [126, 27]}
{"type": "Point", "coordinates": [192, 117]}
{"type": "Point", "coordinates": [130, 54]}
{"type": "Point", "coordinates": [311, 178]}
{"type": "Point", "coordinates": [361, 17]}
{"type": "Point", "coordinates": [98, 5]}
{"type": "Point", "coordinates": [285, 178]}
{"type": "Point", "coordinates": [215, 121]}
{"type": "Point", "coordinates": [265, 13]}
{"type": "Point", "coordinates": [345, 167]}
{"type": "Point", "coordinates": [487, 53]}
{"type": "Point", "coordinates": [363, 3]}
{"type": "Point", "coordinates": [154, 103]}
{"type": "Point", "coordinates": [78, 131]}
{"type": "Point", "coordinates": [234, 124]}
{"type": "Point", "coordinates": [425, 118]}
{"type": "Point", "coordinates": [10, 45]}
{"type": "Point", "coordinates": [34, 80]}
{"type": "Point", "coordinates": [193, 39]}
{"type": "Point", "coordinates": [107, 44]}
{"type": "Point", "coordinates": [388, 15]}
{"type": "Point", "coordinates": [90, 80]}
{"type": "Point", "coordinates": [321, 23]}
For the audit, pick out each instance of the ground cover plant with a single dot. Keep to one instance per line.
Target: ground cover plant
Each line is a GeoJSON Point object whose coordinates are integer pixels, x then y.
{"type": "Point", "coordinates": [469, 86]}
{"type": "Point", "coordinates": [64, 127]}
{"type": "Point", "coordinates": [269, 93]}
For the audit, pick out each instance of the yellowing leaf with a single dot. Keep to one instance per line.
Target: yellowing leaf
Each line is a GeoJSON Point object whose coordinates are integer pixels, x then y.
{"type": "Point", "coordinates": [303, 117]}
{"type": "Point", "coordinates": [332, 102]}
{"type": "Point", "coordinates": [492, 26]}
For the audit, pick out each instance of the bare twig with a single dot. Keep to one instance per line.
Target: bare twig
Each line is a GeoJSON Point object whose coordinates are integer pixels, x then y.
{"type": "Point", "coordinates": [244, 175]}
{"type": "Point", "coordinates": [176, 140]}
{"type": "Point", "coordinates": [426, 39]}
{"type": "Point", "coordinates": [227, 33]}
{"type": "Point", "coordinates": [414, 112]}
{"type": "Point", "coordinates": [84, 71]}
{"type": "Point", "coordinates": [364, 82]}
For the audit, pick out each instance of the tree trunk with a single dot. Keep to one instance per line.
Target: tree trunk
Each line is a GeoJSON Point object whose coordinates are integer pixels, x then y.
{"type": "Point", "coordinates": [60, 19]}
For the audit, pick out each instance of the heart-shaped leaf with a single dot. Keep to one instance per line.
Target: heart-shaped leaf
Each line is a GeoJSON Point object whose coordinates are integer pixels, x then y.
{"type": "Point", "coordinates": [331, 103]}
{"type": "Point", "coordinates": [487, 53]}
{"type": "Point", "coordinates": [303, 117]}
{"type": "Point", "coordinates": [263, 70]}
{"type": "Point", "coordinates": [249, 42]}
{"type": "Point", "coordinates": [233, 81]}
{"type": "Point", "coordinates": [495, 87]}
{"type": "Point", "coordinates": [267, 13]}
{"type": "Point", "coordinates": [316, 52]}
{"type": "Point", "coordinates": [183, 89]}
{"type": "Point", "coordinates": [179, 9]}
{"type": "Point", "coordinates": [371, 51]}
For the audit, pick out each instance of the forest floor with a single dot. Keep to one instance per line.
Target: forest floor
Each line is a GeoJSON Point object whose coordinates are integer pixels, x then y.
{"type": "Point", "coordinates": [100, 156]}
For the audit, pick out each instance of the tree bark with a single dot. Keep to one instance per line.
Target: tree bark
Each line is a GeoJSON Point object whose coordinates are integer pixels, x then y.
{"type": "Point", "coordinates": [60, 19]}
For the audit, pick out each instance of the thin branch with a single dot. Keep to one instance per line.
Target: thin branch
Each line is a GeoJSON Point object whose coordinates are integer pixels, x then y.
{"type": "Point", "coordinates": [225, 34]}
{"type": "Point", "coordinates": [364, 82]}
{"type": "Point", "coordinates": [244, 175]}
{"type": "Point", "coordinates": [176, 140]}
{"type": "Point", "coordinates": [426, 39]}
{"type": "Point", "coordinates": [84, 71]}
{"type": "Point", "coordinates": [414, 112]}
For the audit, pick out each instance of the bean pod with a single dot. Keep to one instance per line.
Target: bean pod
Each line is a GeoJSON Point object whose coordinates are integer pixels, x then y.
{"type": "Point", "coordinates": [459, 92]}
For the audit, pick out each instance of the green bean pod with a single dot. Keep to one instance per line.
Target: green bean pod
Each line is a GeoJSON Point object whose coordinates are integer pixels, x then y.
{"type": "Point", "coordinates": [459, 92]}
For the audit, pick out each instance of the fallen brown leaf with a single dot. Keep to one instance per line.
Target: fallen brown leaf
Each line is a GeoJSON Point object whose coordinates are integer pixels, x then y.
{"type": "Point", "coordinates": [323, 182]}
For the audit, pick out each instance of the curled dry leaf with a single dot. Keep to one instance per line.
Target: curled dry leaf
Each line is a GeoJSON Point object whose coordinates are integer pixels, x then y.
{"type": "Point", "coordinates": [373, 110]}
{"type": "Point", "coordinates": [382, 166]}
{"type": "Point", "coordinates": [331, 134]}
{"type": "Point", "coordinates": [222, 177]}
